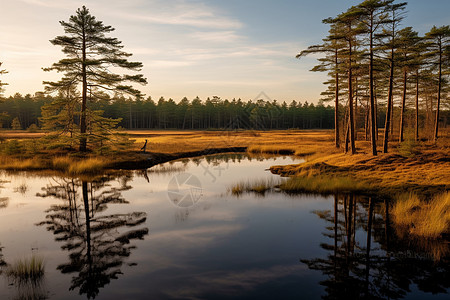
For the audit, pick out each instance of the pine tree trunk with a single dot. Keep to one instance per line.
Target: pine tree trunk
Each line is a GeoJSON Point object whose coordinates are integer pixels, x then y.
{"type": "Point", "coordinates": [417, 106]}
{"type": "Point", "coordinates": [402, 114]}
{"type": "Point", "coordinates": [376, 114]}
{"type": "Point", "coordinates": [366, 122]}
{"type": "Point", "coordinates": [436, 128]}
{"type": "Point", "coordinates": [373, 123]}
{"type": "Point", "coordinates": [83, 141]}
{"type": "Point", "coordinates": [389, 105]}
{"type": "Point", "coordinates": [350, 99]}
{"type": "Point", "coordinates": [336, 105]}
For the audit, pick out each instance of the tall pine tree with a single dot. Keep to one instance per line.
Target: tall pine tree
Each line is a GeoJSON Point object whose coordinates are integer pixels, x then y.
{"type": "Point", "coordinates": [2, 83]}
{"type": "Point", "coordinates": [90, 55]}
{"type": "Point", "coordinates": [439, 45]}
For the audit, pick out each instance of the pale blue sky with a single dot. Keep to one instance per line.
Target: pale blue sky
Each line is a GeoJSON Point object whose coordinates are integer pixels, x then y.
{"type": "Point", "coordinates": [232, 49]}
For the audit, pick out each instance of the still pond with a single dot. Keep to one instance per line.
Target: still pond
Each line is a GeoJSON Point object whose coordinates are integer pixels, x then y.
{"type": "Point", "coordinates": [175, 231]}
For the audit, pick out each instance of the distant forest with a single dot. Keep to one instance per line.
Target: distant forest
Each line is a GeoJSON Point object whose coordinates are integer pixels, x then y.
{"type": "Point", "coordinates": [20, 112]}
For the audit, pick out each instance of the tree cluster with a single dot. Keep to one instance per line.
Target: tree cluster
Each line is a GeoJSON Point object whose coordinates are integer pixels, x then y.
{"type": "Point", "coordinates": [372, 60]}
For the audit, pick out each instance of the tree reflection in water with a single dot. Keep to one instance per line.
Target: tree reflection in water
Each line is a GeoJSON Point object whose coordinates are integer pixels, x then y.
{"type": "Point", "coordinates": [98, 243]}
{"type": "Point", "coordinates": [3, 200]}
{"type": "Point", "coordinates": [368, 258]}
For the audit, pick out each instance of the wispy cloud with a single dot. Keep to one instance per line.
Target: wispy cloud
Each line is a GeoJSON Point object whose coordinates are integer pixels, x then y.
{"type": "Point", "coordinates": [216, 36]}
{"type": "Point", "coordinates": [182, 13]}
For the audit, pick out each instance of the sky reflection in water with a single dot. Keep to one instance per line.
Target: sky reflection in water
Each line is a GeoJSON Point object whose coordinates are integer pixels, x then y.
{"type": "Point", "coordinates": [123, 238]}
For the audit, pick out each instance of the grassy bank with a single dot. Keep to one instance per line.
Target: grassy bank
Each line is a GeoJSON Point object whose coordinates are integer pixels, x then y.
{"type": "Point", "coordinates": [424, 170]}
{"type": "Point", "coordinates": [23, 152]}
{"type": "Point", "coordinates": [65, 164]}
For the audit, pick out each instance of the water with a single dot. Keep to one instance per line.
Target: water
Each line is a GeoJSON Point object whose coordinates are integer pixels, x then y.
{"type": "Point", "coordinates": [174, 231]}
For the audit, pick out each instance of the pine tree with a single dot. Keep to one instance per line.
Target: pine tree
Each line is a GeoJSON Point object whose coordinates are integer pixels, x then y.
{"type": "Point", "coordinates": [332, 61]}
{"type": "Point", "coordinates": [396, 15]}
{"type": "Point", "coordinates": [349, 29]}
{"type": "Point", "coordinates": [374, 15]}
{"type": "Point", "coordinates": [3, 115]}
{"type": "Point", "coordinates": [15, 124]}
{"type": "Point", "coordinates": [2, 84]}
{"type": "Point", "coordinates": [90, 55]}
{"type": "Point", "coordinates": [439, 44]}
{"type": "Point", "coordinates": [417, 66]}
{"type": "Point", "coordinates": [408, 40]}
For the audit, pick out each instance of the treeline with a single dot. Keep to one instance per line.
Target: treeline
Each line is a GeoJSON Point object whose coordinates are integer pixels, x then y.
{"type": "Point", "coordinates": [21, 112]}
{"type": "Point", "coordinates": [377, 66]}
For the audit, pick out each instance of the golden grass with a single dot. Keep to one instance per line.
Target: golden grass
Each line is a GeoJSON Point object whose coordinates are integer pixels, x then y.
{"type": "Point", "coordinates": [65, 164]}
{"type": "Point", "coordinates": [423, 219]}
{"type": "Point", "coordinates": [324, 184]}
{"type": "Point", "coordinates": [259, 141]}
{"type": "Point", "coordinates": [427, 171]}
{"type": "Point", "coordinates": [27, 269]}
{"type": "Point", "coordinates": [17, 164]}
{"type": "Point", "coordinates": [61, 163]}
{"type": "Point", "coordinates": [87, 166]}
{"type": "Point", "coordinates": [71, 166]}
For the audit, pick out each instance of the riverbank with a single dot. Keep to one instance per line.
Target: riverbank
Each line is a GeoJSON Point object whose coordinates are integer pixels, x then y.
{"type": "Point", "coordinates": [426, 173]}
{"type": "Point", "coordinates": [422, 168]}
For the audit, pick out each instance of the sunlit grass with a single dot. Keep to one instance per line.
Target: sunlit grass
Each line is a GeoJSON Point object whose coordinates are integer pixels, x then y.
{"type": "Point", "coordinates": [277, 141]}
{"type": "Point", "coordinates": [72, 166]}
{"type": "Point", "coordinates": [324, 184]}
{"type": "Point", "coordinates": [11, 163]}
{"type": "Point", "coordinates": [87, 166]}
{"type": "Point", "coordinates": [62, 163]}
{"type": "Point", "coordinates": [427, 219]}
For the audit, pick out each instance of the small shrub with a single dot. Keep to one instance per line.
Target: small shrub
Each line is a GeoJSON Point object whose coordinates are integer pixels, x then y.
{"type": "Point", "coordinates": [12, 147]}
{"type": "Point", "coordinates": [33, 128]}
{"type": "Point", "coordinates": [408, 148]}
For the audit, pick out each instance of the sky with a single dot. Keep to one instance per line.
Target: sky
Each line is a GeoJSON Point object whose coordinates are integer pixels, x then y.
{"type": "Point", "coordinates": [226, 48]}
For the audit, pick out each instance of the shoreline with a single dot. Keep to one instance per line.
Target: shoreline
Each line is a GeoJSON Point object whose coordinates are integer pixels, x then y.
{"type": "Point", "coordinates": [150, 159]}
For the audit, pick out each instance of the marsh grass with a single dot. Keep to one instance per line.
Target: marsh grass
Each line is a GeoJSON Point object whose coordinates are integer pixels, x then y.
{"type": "Point", "coordinates": [87, 166]}
{"type": "Point", "coordinates": [27, 270]}
{"type": "Point", "coordinates": [321, 184]}
{"type": "Point", "coordinates": [167, 169]}
{"type": "Point", "coordinates": [425, 219]}
{"type": "Point", "coordinates": [324, 184]}
{"type": "Point", "coordinates": [11, 163]}
{"type": "Point", "coordinates": [259, 186]}
{"type": "Point", "coordinates": [61, 163]}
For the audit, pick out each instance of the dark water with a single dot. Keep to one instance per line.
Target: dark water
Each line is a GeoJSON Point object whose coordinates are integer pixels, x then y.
{"type": "Point", "coordinates": [174, 232]}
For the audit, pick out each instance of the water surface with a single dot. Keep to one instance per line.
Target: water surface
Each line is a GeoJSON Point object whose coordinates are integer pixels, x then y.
{"type": "Point", "coordinates": [174, 231]}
